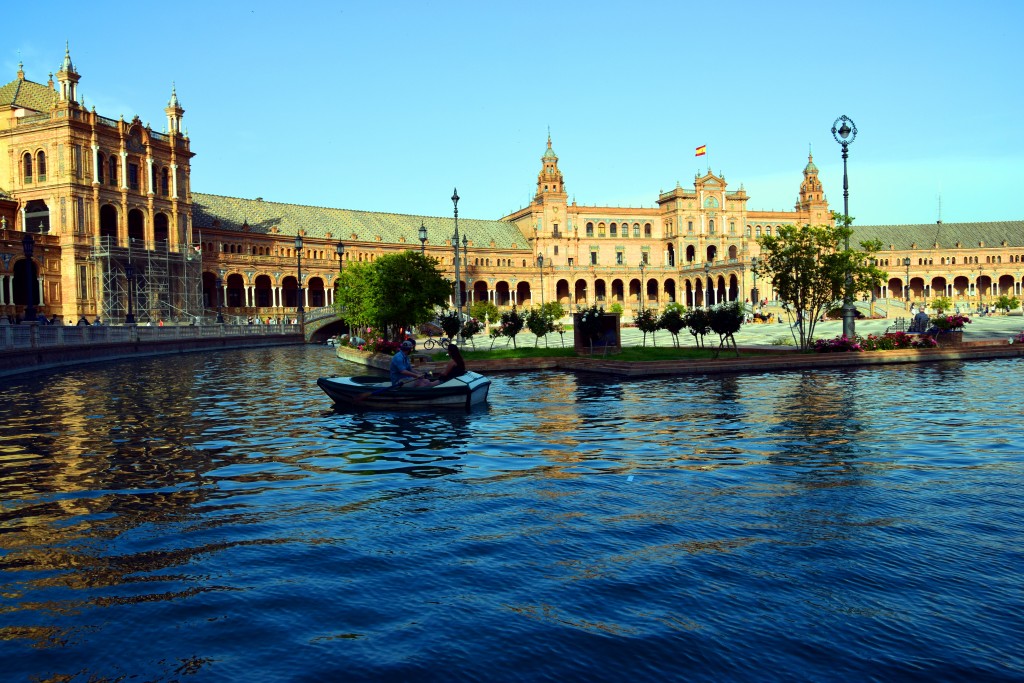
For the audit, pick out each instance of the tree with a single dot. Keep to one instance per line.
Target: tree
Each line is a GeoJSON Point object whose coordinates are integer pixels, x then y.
{"type": "Point", "coordinates": [941, 304]}
{"type": "Point", "coordinates": [672, 320]}
{"type": "Point", "coordinates": [698, 323]}
{"type": "Point", "coordinates": [511, 325]}
{"type": "Point", "coordinates": [725, 320]}
{"type": "Point", "coordinates": [647, 321]}
{"type": "Point", "coordinates": [539, 322]}
{"type": "Point", "coordinates": [1006, 303]}
{"type": "Point", "coordinates": [484, 310]}
{"type": "Point", "coordinates": [392, 291]}
{"type": "Point", "coordinates": [808, 267]}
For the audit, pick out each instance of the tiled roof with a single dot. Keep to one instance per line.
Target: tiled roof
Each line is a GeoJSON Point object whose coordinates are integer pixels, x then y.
{"type": "Point", "coordinates": [342, 224]}
{"type": "Point", "coordinates": [945, 234]}
{"type": "Point", "coordinates": [19, 93]}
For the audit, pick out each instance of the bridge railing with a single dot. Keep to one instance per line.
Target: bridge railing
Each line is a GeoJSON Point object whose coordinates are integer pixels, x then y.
{"type": "Point", "coordinates": [25, 336]}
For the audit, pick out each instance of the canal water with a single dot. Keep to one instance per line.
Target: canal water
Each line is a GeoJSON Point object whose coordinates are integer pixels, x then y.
{"type": "Point", "coordinates": [213, 519]}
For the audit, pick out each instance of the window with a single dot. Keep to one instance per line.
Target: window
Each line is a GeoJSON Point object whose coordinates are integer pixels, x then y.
{"type": "Point", "coordinates": [600, 229]}
{"type": "Point", "coordinates": [80, 210]}
{"type": "Point", "coordinates": [732, 227]}
{"type": "Point", "coordinates": [645, 258]}
{"type": "Point", "coordinates": [164, 182]}
{"type": "Point", "coordinates": [689, 227]}
{"type": "Point", "coordinates": [593, 258]}
{"type": "Point", "coordinates": [133, 176]}
{"type": "Point", "coordinates": [618, 258]}
{"type": "Point", "coordinates": [112, 170]}
{"type": "Point", "coordinates": [83, 282]}
{"type": "Point", "coordinates": [27, 163]}
{"type": "Point", "coordinates": [76, 160]}
{"type": "Point", "coordinates": [571, 261]}
{"type": "Point", "coordinates": [555, 229]}
{"type": "Point", "coordinates": [613, 229]}
{"type": "Point", "coordinates": [590, 229]}
{"type": "Point", "coordinates": [636, 230]}
{"type": "Point", "coordinates": [99, 168]}
{"type": "Point", "coordinates": [556, 250]}
{"type": "Point", "coordinates": [40, 166]}
{"type": "Point", "coordinates": [711, 226]}
{"type": "Point", "coordinates": [647, 229]}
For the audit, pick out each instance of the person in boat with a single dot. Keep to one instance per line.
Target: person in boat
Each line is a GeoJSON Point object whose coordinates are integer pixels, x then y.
{"type": "Point", "coordinates": [455, 368]}
{"type": "Point", "coordinates": [401, 368]}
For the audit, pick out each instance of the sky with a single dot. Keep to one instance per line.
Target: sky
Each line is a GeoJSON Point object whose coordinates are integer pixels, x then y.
{"type": "Point", "coordinates": [390, 106]}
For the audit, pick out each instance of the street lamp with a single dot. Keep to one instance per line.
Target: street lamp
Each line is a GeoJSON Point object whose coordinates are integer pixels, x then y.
{"type": "Point", "coordinates": [129, 273]}
{"type": "Point", "coordinates": [28, 246]}
{"type": "Point", "coordinates": [220, 299]}
{"type": "Point", "coordinates": [643, 284]}
{"type": "Point", "coordinates": [455, 245]}
{"type": "Point", "coordinates": [300, 313]}
{"type": "Point", "coordinates": [423, 238]}
{"type": "Point", "coordinates": [845, 134]}
{"type": "Point", "coordinates": [906, 293]}
{"type": "Point", "coordinates": [753, 267]}
{"type": "Point", "coordinates": [540, 266]}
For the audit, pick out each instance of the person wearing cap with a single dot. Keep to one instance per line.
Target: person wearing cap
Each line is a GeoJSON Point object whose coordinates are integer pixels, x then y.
{"type": "Point", "coordinates": [401, 366]}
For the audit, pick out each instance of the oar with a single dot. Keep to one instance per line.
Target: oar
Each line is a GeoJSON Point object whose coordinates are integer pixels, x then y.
{"type": "Point", "coordinates": [362, 397]}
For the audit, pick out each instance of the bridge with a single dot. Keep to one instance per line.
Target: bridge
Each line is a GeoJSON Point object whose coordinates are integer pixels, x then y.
{"type": "Point", "coordinates": [323, 323]}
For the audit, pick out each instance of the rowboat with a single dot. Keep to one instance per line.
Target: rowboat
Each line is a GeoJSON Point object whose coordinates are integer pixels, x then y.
{"type": "Point", "coordinates": [464, 391]}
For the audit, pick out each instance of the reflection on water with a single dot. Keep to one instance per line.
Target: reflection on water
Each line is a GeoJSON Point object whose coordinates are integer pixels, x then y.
{"type": "Point", "coordinates": [220, 518]}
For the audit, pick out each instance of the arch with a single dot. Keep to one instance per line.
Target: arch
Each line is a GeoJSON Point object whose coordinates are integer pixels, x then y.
{"type": "Point", "coordinates": [634, 291]}
{"type": "Point", "coordinates": [524, 293]}
{"type": "Point", "coordinates": [670, 290]}
{"type": "Point", "coordinates": [479, 290]}
{"type": "Point", "coordinates": [961, 286]}
{"type": "Point", "coordinates": [136, 227]}
{"type": "Point", "coordinates": [652, 293]}
{"type": "Point", "coordinates": [26, 167]}
{"type": "Point", "coordinates": [733, 288]}
{"type": "Point", "coordinates": [580, 292]}
{"type": "Point", "coordinates": [161, 228]}
{"type": "Point", "coordinates": [316, 295]}
{"type": "Point", "coordinates": [502, 294]}
{"type": "Point", "coordinates": [613, 230]}
{"type": "Point", "coordinates": [40, 166]}
{"type": "Point", "coordinates": [732, 252]}
{"type": "Point", "coordinates": [236, 289]}
{"type": "Point", "coordinates": [1005, 285]}
{"type": "Point", "coordinates": [37, 216]}
{"type": "Point", "coordinates": [618, 295]}
{"type": "Point", "coordinates": [984, 285]}
{"type": "Point", "coordinates": [671, 255]}
{"type": "Point", "coordinates": [108, 221]}
{"type": "Point", "coordinates": [264, 291]}
{"type": "Point", "coordinates": [600, 292]}
{"type": "Point", "coordinates": [210, 295]}
{"type": "Point", "coordinates": [26, 275]}
{"type": "Point", "coordinates": [290, 292]}
{"type": "Point", "coordinates": [691, 253]}
{"type": "Point", "coordinates": [562, 292]}
{"type": "Point", "coordinates": [688, 297]}
{"type": "Point", "coordinates": [712, 253]}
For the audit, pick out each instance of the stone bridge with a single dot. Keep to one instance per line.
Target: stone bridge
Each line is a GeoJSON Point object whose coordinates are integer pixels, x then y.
{"type": "Point", "coordinates": [323, 323]}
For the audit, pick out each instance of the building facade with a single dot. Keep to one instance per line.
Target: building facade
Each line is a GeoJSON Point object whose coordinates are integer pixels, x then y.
{"type": "Point", "coordinates": [114, 223]}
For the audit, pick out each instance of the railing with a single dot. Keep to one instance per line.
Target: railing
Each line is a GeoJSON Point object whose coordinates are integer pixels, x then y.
{"type": "Point", "coordinates": [37, 336]}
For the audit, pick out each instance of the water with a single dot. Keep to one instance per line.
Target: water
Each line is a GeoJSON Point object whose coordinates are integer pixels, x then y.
{"type": "Point", "coordinates": [211, 519]}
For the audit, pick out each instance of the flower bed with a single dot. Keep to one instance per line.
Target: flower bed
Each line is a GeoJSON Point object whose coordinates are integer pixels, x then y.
{"type": "Point", "coordinates": [872, 342]}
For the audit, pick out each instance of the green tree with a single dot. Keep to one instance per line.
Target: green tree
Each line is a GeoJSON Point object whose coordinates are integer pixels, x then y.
{"type": "Point", "coordinates": [553, 310]}
{"type": "Point", "coordinates": [511, 325]}
{"type": "Point", "coordinates": [699, 324]}
{"type": "Point", "coordinates": [941, 304]}
{"type": "Point", "coordinates": [392, 291]}
{"type": "Point", "coordinates": [539, 322]}
{"type": "Point", "coordinates": [725, 320]}
{"type": "Point", "coordinates": [672, 320]}
{"type": "Point", "coordinates": [1006, 303]}
{"type": "Point", "coordinates": [808, 267]}
{"type": "Point", "coordinates": [647, 321]}
{"type": "Point", "coordinates": [616, 308]}
{"type": "Point", "coordinates": [484, 310]}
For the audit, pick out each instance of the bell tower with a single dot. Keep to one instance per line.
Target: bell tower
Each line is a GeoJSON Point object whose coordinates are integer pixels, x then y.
{"type": "Point", "coordinates": [812, 204]}
{"type": "Point", "coordinates": [550, 184]}
{"type": "Point", "coordinates": [68, 78]}
{"type": "Point", "coordinates": [174, 113]}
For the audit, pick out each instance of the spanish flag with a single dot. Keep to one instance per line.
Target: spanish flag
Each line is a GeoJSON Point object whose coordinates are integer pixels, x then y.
{"type": "Point", "coordinates": [702, 150]}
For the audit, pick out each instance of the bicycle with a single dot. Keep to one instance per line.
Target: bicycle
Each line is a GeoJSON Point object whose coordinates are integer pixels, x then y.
{"type": "Point", "coordinates": [431, 343]}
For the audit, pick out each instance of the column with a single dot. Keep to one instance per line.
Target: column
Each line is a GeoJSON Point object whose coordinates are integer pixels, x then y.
{"type": "Point", "coordinates": [3, 290]}
{"type": "Point", "coordinates": [149, 175]}
{"type": "Point", "coordinates": [174, 181]}
{"type": "Point", "coordinates": [95, 165]}
{"type": "Point", "coordinates": [124, 170]}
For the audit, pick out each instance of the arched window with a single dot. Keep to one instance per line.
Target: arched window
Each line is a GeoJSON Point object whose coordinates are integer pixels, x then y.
{"type": "Point", "coordinates": [164, 181]}
{"type": "Point", "coordinates": [647, 229]}
{"type": "Point", "coordinates": [590, 229]}
{"type": "Point", "coordinates": [40, 166]}
{"type": "Point", "coordinates": [711, 226]}
{"type": "Point", "coordinates": [636, 230]}
{"type": "Point", "coordinates": [27, 163]}
{"type": "Point", "coordinates": [100, 168]}
{"type": "Point", "coordinates": [112, 170]}
{"type": "Point", "coordinates": [613, 230]}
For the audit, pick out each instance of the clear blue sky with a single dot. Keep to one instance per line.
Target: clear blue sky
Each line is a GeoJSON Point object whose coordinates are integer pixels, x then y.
{"type": "Point", "coordinates": [387, 106]}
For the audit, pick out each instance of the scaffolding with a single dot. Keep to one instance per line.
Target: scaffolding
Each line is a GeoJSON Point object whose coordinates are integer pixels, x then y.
{"type": "Point", "coordinates": [167, 284]}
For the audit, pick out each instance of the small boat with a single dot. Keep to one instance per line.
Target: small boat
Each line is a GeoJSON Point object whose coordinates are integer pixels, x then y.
{"type": "Point", "coordinates": [464, 391]}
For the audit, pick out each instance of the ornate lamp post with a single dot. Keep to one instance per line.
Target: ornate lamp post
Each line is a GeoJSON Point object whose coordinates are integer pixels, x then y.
{"type": "Point", "coordinates": [455, 246]}
{"type": "Point", "coordinates": [540, 267]}
{"type": "Point", "coordinates": [643, 283]}
{"type": "Point", "coordinates": [28, 245]}
{"type": "Point", "coordinates": [906, 287]}
{"type": "Point", "coordinates": [423, 238]}
{"type": "Point", "coordinates": [753, 268]}
{"type": "Point", "coordinates": [845, 132]}
{"type": "Point", "coordinates": [129, 273]}
{"type": "Point", "coordinates": [299, 311]}
{"type": "Point", "coordinates": [220, 298]}
{"type": "Point", "coordinates": [340, 249]}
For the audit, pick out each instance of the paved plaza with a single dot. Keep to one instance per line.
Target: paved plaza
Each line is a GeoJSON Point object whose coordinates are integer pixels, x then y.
{"type": "Point", "coordinates": [991, 328]}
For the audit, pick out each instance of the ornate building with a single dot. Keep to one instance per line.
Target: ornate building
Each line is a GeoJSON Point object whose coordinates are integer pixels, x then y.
{"type": "Point", "coordinates": [105, 201]}
{"type": "Point", "coordinates": [108, 206]}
